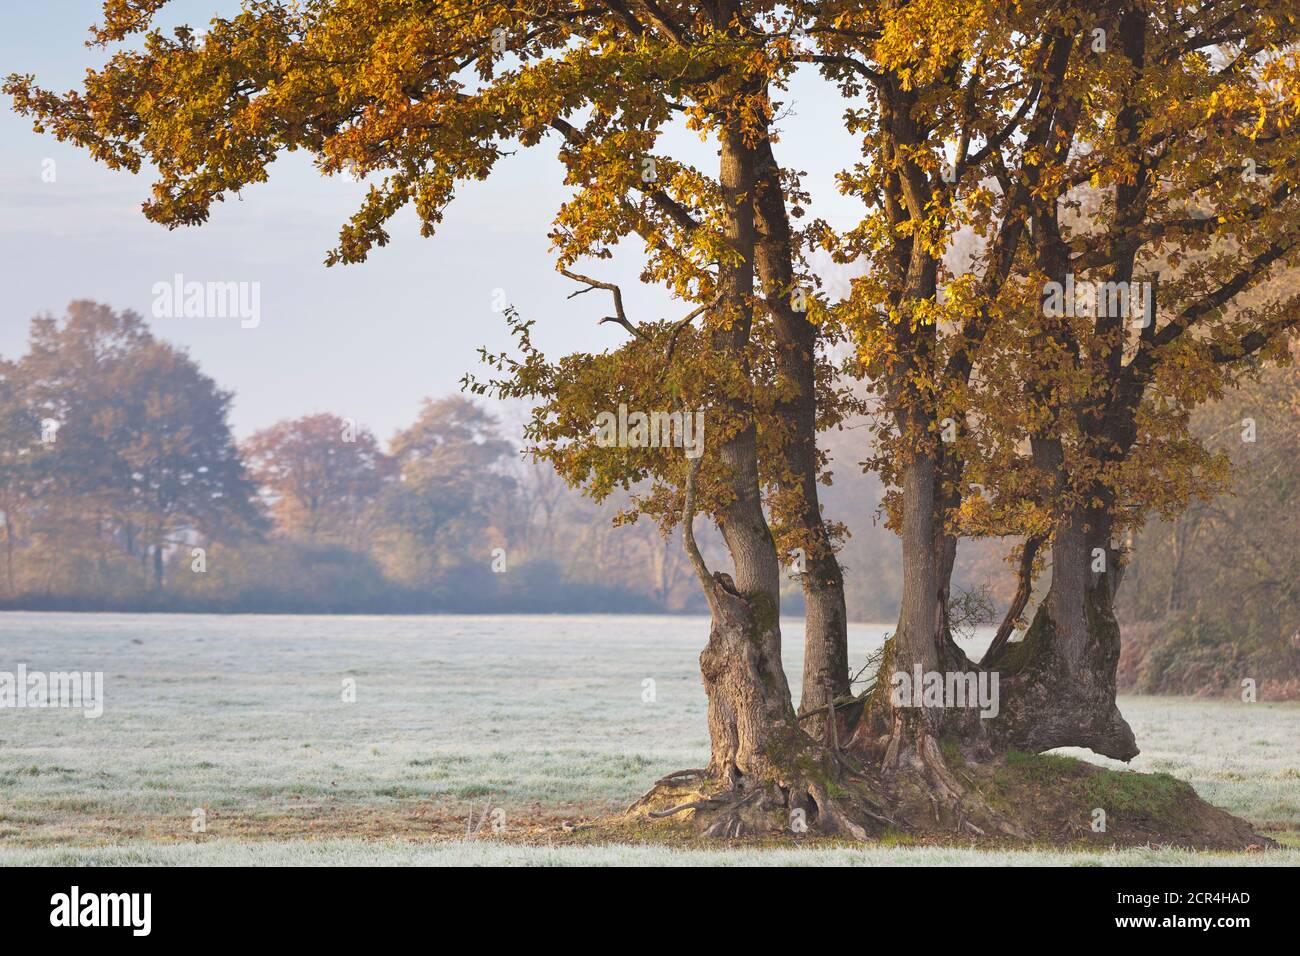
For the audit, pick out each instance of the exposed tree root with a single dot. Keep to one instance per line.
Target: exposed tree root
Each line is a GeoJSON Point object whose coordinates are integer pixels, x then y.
{"type": "Point", "coordinates": [834, 798]}
{"type": "Point", "coordinates": [823, 797]}
{"type": "Point", "coordinates": [938, 792]}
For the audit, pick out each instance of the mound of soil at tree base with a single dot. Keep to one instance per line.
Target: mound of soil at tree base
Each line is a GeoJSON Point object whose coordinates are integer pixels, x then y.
{"type": "Point", "coordinates": [1053, 800]}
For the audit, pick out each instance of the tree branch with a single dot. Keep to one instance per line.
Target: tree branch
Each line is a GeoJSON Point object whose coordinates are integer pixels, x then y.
{"type": "Point", "coordinates": [675, 210]}
{"type": "Point", "coordinates": [1024, 588]}
{"type": "Point", "coordinates": [620, 317]}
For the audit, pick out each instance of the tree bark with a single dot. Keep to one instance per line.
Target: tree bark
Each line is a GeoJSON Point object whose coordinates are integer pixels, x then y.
{"type": "Point", "coordinates": [920, 614]}
{"type": "Point", "coordinates": [905, 735]}
{"type": "Point", "coordinates": [750, 714]}
{"type": "Point", "coordinates": [922, 639]}
{"type": "Point", "coordinates": [826, 648]}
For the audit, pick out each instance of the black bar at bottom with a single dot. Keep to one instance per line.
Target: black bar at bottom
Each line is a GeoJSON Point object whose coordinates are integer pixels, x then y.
{"type": "Point", "coordinates": [303, 905]}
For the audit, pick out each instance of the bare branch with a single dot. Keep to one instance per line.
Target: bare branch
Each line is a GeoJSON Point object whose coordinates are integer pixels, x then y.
{"type": "Point", "coordinates": [620, 317]}
{"type": "Point", "coordinates": [688, 532]}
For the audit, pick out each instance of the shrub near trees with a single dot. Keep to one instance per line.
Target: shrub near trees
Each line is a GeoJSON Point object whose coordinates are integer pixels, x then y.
{"type": "Point", "coordinates": [986, 119]}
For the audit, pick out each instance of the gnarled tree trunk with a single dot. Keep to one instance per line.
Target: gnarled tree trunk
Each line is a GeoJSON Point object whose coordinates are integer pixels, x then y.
{"type": "Point", "coordinates": [749, 697]}
{"type": "Point", "coordinates": [1058, 683]}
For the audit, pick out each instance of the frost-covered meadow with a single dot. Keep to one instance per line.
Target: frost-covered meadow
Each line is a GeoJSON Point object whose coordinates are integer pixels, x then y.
{"type": "Point", "coordinates": [549, 718]}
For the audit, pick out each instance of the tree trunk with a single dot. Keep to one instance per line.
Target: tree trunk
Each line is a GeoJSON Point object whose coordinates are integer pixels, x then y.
{"type": "Point", "coordinates": [1182, 533]}
{"type": "Point", "coordinates": [749, 696]}
{"type": "Point", "coordinates": [920, 613]}
{"type": "Point", "coordinates": [1058, 683]}
{"type": "Point", "coordinates": [826, 648]}
{"type": "Point", "coordinates": [157, 567]}
{"type": "Point", "coordinates": [9, 555]}
{"type": "Point", "coordinates": [904, 734]}
{"type": "Point", "coordinates": [762, 758]}
{"type": "Point", "coordinates": [750, 714]}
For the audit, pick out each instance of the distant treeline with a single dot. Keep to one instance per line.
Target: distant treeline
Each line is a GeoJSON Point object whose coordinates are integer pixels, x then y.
{"type": "Point", "coordinates": [123, 488]}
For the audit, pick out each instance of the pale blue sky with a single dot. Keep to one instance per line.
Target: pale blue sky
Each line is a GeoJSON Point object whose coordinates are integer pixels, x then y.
{"type": "Point", "coordinates": [365, 341]}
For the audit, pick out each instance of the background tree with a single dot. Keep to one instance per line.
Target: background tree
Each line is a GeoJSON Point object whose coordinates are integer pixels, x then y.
{"type": "Point", "coordinates": [19, 452]}
{"type": "Point", "coordinates": [321, 475]}
{"type": "Point", "coordinates": [142, 450]}
{"type": "Point", "coordinates": [452, 495]}
{"type": "Point", "coordinates": [71, 537]}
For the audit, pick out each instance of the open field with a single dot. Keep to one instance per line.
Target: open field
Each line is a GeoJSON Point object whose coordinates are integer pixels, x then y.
{"type": "Point", "coordinates": [542, 717]}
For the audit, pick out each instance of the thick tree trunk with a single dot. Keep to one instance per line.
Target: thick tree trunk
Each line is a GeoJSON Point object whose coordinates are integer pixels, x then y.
{"type": "Point", "coordinates": [752, 724]}
{"type": "Point", "coordinates": [1058, 683]}
{"type": "Point", "coordinates": [750, 714]}
{"type": "Point", "coordinates": [826, 650]}
{"type": "Point", "coordinates": [826, 644]}
{"type": "Point", "coordinates": [920, 613]}
{"type": "Point", "coordinates": [904, 734]}
{"type": "Point", "coordinates": [749, 696]}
